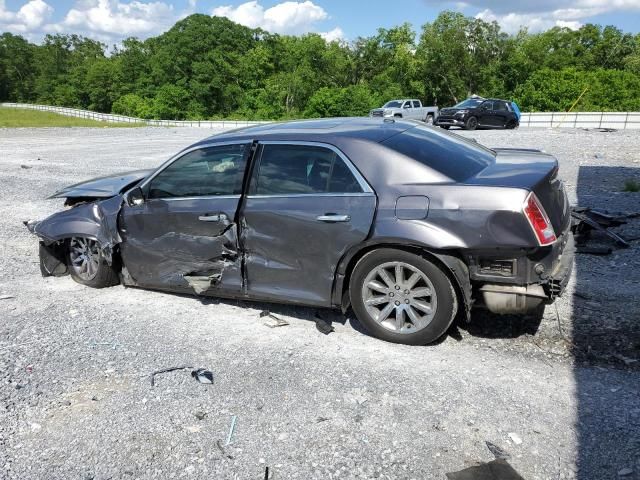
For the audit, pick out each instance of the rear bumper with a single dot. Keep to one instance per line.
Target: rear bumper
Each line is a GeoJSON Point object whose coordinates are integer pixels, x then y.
{"type": "Point", "coordinates": [533, 280]}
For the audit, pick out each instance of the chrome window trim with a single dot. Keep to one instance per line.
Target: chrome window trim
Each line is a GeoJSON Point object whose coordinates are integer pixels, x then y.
{"type": "Point", "coordinates": [364, 185]}
{"type": "Point", "coordinates": [181, 154]}
{"type": "Point", "coordinates": [204, 197]}
{"type": "Point", "coordinates": [305, 195]}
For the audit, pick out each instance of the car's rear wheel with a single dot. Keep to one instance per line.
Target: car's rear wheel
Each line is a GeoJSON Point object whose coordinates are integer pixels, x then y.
{"type": "Point", "coordinates": [402, 297]}
{"type": "Point", "coordinates": [471, 123]}
{"type": "Point", "coordinates": [87, 265]}
{"type": "Point", "coordinates": [446, 127]}
{"type": "Point", "coordinates": [511, 124]}
{"type": "Point", "coordinates": [429, 119]}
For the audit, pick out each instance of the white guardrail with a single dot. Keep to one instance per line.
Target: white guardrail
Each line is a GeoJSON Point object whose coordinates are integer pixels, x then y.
{"type": "Point", "coordinates": [617, 120]}
{"type": "Point", "coordinates": [112, 118]}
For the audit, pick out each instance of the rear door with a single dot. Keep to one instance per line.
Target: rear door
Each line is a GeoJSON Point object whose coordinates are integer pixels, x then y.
{"type": "Point", "coordinates": [307, 205]}
{"type": "Point", "coordinates": [183, 236]}
{"type": "Point", "coordinates": [485, 116]}
{"type": "Point", "coordinates": [501, 113]}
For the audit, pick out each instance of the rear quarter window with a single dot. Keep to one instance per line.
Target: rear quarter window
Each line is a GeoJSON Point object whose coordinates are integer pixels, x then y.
{"type": "Point", "coordinates": [452, 155]}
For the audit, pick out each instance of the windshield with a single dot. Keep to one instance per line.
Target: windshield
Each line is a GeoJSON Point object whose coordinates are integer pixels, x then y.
{"type": "Point", "coordinates": [393, 104]}
{"type": "Point", "coordinates": [469, 103]}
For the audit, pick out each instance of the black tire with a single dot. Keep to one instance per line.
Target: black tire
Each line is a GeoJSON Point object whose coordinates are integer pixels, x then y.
{"type": "Point", "coordinates": [105, 275]}
{"type": "Point", "coordinates": [446, 306]}
{"type": "Point", "coordinates": [471, 123]}
{"type": "Point", "coordinates": [511, 125]}
{"type": "Point", "coordinates": [429, 119]}
{"type": "Point", "coordinates": [446, 127]}
{"type": "Point", "coordinates": [397, 115]}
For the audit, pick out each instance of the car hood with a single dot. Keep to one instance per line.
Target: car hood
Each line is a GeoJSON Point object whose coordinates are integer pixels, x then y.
{"type": "Point", "coordinates": [103, 187]}
{"type": "Point", "coordinates": [451, 110]}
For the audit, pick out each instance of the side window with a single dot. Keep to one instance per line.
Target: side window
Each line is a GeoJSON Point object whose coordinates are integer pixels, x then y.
{"type": "Point", "coordinates": [487, 106]}
{"type": "Point", "coordinates": [204, 172]}
{"type": "Point", "coordinates": [407, 104]}
{"type": "Point", "coordinates": [301, 169]}
{"type": "Point", "coordinates": [501, 106]}
{"type": "Point", "coordinates": [416, 104]}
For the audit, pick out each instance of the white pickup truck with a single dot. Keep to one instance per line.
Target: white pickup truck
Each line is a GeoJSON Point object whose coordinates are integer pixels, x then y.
{"type": "Point", "coordinates": [406, 108]}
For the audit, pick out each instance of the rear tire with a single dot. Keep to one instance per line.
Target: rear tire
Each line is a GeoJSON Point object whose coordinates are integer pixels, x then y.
{"type": "Point", "coordinates": [446, 127]}
{"type": "Point", "coordinates": [471, 123]}
{"type": "Point", "coordinates": [87, 265]}
{"type": "Point", "coordinates": [402, 297]}
{"type": "Point", "coordinates": [511, 125]}
{"type": "Point", "coordinates": [429, 120]}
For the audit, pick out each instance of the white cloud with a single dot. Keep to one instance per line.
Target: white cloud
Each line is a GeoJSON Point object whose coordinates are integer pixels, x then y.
{"type": "Point", "coordinates": [333, 35]}
{"type": "Point", "coordinates": [534, 22]}
{"type": "Point", "coordinates": [30, 17]}
{"type": "Point", "coordinates": [115, 18]}
{"type": "Point", "coordinates": [292, 18]}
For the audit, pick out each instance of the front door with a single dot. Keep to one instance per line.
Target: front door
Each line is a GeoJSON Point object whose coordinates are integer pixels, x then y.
{"type": "Point", "coordinates": [183, 236]}
{"type": "Point", "coordinates": [307, 205]}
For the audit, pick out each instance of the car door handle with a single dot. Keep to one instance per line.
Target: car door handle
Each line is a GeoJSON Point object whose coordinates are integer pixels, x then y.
{"type": "Point", "coordinates": [333, 217]}
{"type": "Point", "coordinates": [212, 218]}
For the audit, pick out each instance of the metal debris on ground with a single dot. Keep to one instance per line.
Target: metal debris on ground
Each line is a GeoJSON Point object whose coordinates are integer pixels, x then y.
{"type": "Point", "coordinates": [586, 220]}
{"type": "Point", "coordinates": [6, 297]}
{"type": "Point", "coordinates": [26, 167]}
{"type": "Point", "coordinates": [200, 415]}
{"type": "Point", "coordinates": [202, 375]}
{"type": "Point", "coordinates": [323, 326]}
{"type": "Point", "coordinates": [272, 320]}
{"type": "Point", "coordinates": [497, 451]}
{"type": "Point", "coordinates": [497, 469]}
{"type": "Point", "coordinates": [231, 430]}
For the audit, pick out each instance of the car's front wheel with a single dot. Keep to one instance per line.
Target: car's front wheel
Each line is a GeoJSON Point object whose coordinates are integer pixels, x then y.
{"type": "Point", "coordinates": [402, 297]}
{"type": "Point", "coordinates": [471, 123]}
{"type": "Point", "coordinates": [87, 265]}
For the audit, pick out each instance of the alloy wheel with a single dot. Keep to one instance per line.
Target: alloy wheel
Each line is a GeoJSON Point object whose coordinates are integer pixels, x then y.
{"type": "Point", "coordinates": [399, 297]}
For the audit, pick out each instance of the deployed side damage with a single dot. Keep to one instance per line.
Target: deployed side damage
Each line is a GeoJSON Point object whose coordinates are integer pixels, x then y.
{"type": "Point", "coordinates": [197, 262]}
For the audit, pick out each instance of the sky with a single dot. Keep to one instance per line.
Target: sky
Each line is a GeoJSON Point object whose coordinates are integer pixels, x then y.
{"type": "Point", "coordinates": [113, 20]}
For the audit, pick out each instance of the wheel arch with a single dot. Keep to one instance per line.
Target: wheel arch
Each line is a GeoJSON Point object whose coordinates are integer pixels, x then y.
{"type": "Point", "coordinates": [450, 261]}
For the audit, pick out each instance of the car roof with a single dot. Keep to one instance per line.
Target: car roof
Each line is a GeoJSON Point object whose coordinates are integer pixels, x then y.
{"type": "Point", "coordinates": [327, 130]}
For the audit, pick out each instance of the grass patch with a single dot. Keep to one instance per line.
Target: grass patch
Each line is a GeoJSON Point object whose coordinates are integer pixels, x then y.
{"type": "Point", "coordinates": [17, 118]}
{"type": "Point", "coordinates": [631, 186]}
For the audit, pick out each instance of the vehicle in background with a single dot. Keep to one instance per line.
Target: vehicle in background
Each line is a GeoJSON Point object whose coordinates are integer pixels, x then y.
{"type": "Point", "coordinates": [408, 224]}
{"type": "Point", "coordinates": [477, 112]}
{"type": "Point", "coordinates": [410, 109]}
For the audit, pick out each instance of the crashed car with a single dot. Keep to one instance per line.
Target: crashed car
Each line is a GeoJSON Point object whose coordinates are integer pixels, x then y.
{"type": "Point", "coordinates": [408, 224]}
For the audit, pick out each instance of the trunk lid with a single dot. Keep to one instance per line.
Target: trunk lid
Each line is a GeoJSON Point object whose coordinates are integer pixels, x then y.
{"type": "Point", "coordinates": [532, 170]}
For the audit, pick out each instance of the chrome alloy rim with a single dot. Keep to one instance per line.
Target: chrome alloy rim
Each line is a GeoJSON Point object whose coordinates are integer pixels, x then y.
{"type": "Point", "coordinates": [85, 257]}
{"type": "Point", "coordinates": [399, 297]}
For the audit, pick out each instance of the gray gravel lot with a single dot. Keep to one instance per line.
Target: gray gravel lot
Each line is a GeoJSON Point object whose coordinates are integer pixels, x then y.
{"type": "Point", "coordinates": [561, 397]}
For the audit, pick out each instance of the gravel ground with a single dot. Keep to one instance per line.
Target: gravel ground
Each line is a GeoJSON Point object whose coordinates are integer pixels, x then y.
{"type": "Point", "coordinates": [560, 395]}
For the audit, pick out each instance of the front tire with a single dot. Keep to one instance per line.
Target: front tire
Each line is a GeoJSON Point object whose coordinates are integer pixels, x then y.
{"type": "Point", "coordinates": [402, 297]}
{"type": "Point", "coordinates": [471, 123]}
{"type": "Point", "coordinates": [87, 265]}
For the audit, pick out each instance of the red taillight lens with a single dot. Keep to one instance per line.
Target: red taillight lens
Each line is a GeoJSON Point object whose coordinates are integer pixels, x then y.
{"type": "Point", "coordinates": [538, 220]}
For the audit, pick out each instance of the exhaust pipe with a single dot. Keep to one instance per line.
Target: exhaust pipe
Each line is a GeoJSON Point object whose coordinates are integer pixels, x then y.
{"type": "Point", "coordinates": [512, 299]}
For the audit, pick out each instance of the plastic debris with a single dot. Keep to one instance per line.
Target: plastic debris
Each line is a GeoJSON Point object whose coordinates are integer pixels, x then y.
{"type": "Point", "coordinates": [231, 430]}
{"type": "Point", "coordinates": [323, 326]}
{"type": "Point", "coordinates": [515, 438]}
{"type": "Point", "coordinates": [222, 450]}
{"type": "Point", "coordinates": [497, 451]}
{"type": "Point", "coordinates": [272, 320]}
{"type": "Point", "coordinates": [202, 375]}
{"type": "Point", "coordinates": [6, 297]}
{"type": "Point", "coordinates": [494, 470]}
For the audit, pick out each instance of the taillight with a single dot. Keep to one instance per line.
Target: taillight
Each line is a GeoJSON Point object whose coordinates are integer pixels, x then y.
{"type": "Point", "coordinates": [538, 220]}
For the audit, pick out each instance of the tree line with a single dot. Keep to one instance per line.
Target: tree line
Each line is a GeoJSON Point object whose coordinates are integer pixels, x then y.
{"type": "Point", "coordinates": [210, 67]}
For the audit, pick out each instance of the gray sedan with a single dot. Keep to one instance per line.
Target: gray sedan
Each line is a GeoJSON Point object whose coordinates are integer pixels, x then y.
{"type": "Point", "coordinates": [409, 225]}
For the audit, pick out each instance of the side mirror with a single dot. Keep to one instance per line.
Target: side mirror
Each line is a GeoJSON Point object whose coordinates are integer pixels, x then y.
{"type": "Point", "coordinates": [135, 197]}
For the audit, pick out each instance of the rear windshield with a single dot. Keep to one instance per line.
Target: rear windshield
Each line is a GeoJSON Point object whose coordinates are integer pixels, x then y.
{"type": "Point", "coordinates": [452, 155]}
